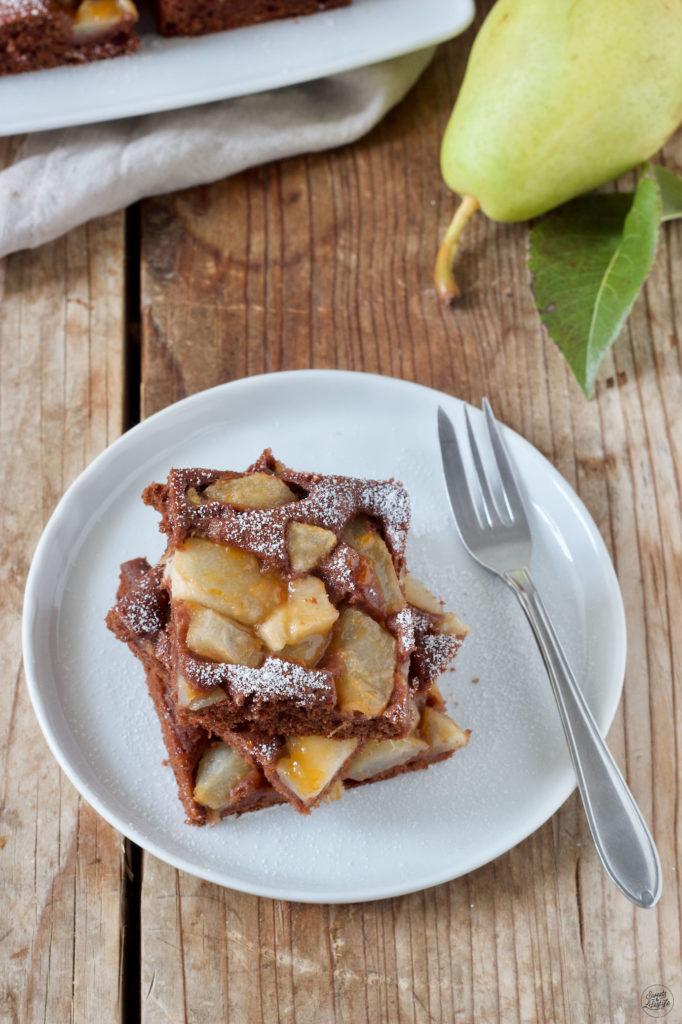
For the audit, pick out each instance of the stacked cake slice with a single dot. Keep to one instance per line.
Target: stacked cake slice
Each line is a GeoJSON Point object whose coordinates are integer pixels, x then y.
{"type": "Point", "coordinates": [288, 652]}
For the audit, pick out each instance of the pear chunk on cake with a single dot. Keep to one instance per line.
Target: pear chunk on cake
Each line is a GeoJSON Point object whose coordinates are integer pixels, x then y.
{"type": "Point", "coordinates": [257, 490]}
{"type": "Point", "coordinates": [379, 756]}
{"type": "Point", "coordinates": [312, 763]}
{"type": "Point", "coordinates": [308, 545]}
{"type": "Point", "coordinates": [218, 772]}
{"type": "Point", "coordinates": [306, 612]}
{"type": "Point", "coordinates": [217, 637]}
{"type": "Point", "coordinates": [224, 578]}
{"type": "Point", "coordinates": [441, 732]}
{"type": "Point", "coordinates": [363, 655]}
{"type": "Point", "coordinates": [363, 536]}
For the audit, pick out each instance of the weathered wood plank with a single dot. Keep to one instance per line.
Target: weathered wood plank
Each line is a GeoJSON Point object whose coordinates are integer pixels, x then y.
{"type": "Point", "coordinates": [326, 261]}
{"type": "Point", "coordinates": [61, 386]}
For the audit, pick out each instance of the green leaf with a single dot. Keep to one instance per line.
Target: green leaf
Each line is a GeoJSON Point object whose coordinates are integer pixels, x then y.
{"type": "Point", "coordinates": [589, 260]}
{"type": "Point", "coordinates": [670, 186]}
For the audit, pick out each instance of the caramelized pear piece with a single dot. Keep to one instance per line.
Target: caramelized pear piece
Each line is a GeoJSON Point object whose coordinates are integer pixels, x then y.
{"type": "Point", "coordinates": [379, 756]}
{"type": "Point", "coordinates": [451, 624]}
{"type": "Point", "coordinates": [194, 699]}
{"type": "Point", "coordinates": [215, 636]}
{"type": "Point", "coordinates": [275, 630]}
{"type": "Point", "coordinates": [308, 545]}
{"type": "Point", "coordinates": [307, 611]}
{"type": "Point", "coordinates": [218, 772]}
{"type": "Point", "coordinates": [420, 596]}
{"type": "Point", "coordinates": [308, 652]}
{"type": "Point", "coordinates": [363, 655]}
{"type": "Point", "coordinates": [311, 762]}
{"type": "Point", "coordinates": [224, 578]}
{"type": "Point", "coordinates": [362, 536]}
{"type": "Point", "coordinates": [257, 490]}
{"type": "Point", "coordinates": [97, 17]}
{"type": "Point", "coordinates": [441, 732]}
{"type": "Point", "coordinates": [335, 792]}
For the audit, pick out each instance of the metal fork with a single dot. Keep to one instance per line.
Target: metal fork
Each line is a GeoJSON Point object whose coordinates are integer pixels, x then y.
{"type": "Point", "coordinates": [494, 527]}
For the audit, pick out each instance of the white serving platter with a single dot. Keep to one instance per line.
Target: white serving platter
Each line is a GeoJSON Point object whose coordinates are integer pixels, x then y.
{"type": "Point", "coordinates": [167, 74]}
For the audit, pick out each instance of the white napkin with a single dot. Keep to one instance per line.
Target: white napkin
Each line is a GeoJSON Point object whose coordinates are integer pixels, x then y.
{"type": "Point", "coordinates": [62, 178]}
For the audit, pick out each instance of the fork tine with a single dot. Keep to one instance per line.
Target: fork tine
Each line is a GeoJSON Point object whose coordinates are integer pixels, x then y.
{"type": "Point", "coordinates": [486, 493]}
{"type": "Point", "coordinates": [460, 498]}
{"type": "Point", "coordinates": [505, 466]}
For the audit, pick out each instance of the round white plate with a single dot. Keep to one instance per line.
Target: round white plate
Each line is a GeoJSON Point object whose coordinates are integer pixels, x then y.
{"type": "Point", "coordinates": [383, 840]}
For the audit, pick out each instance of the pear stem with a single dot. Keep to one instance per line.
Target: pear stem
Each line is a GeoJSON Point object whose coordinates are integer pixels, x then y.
{"type": "Point", "coordinates": [443, 274]}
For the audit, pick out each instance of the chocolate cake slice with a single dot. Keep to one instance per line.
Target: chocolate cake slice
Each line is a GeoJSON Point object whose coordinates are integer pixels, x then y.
{"type": "Point", "coordinates": [38, 34]}
{"type": "Point", "coordinates": [199, 17]}
{"type": "Point", "coordinates": [282, 637]}
{"type": "Point", "coordinates": [290, 606]}
{"type": "Point", "coordinates": [234, 772]}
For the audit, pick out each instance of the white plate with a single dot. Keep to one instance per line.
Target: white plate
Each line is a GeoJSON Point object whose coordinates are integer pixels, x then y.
{"type": "Point", "coordinates": [89, 695]}
{"type": "Point", "coordinates": [166, 74]}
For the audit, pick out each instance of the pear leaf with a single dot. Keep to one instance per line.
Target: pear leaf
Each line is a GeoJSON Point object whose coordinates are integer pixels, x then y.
{"type": "Point", "coordinates": [670, 185]}
{"type": "Point", "coordinates": [589, 260]}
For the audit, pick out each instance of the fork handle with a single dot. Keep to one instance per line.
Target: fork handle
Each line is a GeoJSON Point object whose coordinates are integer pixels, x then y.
{"type": "Point", "coordinates": [620, 834]}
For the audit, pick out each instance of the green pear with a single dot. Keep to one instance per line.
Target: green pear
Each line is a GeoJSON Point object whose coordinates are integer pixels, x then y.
{"type": "Point", "coordinates": [559, 97]}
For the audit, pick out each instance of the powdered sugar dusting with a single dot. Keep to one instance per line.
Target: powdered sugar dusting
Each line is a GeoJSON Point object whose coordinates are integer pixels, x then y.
{"type": "Point", "coordinates": [264, 750]}
{"type": "Point", "coordinates": [332, 502]}
{"type": "Point", "coordinates": [436, 650]}
{"type": "Point", "coordinates": [337, 571]}
{"type": "Point", "coordinates": [275, 680]}
{"type": "Point", "coordinates": [403, 625]}
{"type": "Point", "coordinates": [142, 610]}
{"type": "Point", "coordinates": [22, 9]}
{"type": "Point", "coordinates": [257, 530]}
{"type": "Point", "coordinates": [389, 501]}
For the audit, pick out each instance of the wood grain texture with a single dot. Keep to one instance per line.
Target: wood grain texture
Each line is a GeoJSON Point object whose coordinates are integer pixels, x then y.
{"type": "Point", "coordinates": [61, 389]}
{"type": "Point", "coordinates": [326, 261]}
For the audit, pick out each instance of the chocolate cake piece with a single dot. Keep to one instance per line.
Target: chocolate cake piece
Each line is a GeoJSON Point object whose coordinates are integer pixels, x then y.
{"type": "Point", "coordinates": [287, 649]}
{"type": "Point", "coordinates": [240, 772]}
{"type": "Point", "coordinates": [199, 17]}
{"type": "Point", "coordinates": [237, 772]}
{"type": "Point", "coordinates": [38, 34]}
{"type": "Point", "coordinates": [288, 605]}
{"type": "Point", "coordinates": [309, 770]}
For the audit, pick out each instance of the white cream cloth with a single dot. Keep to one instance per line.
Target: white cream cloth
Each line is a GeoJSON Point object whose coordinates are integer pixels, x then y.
{"type": "Point", "coordinates": [62, 178]}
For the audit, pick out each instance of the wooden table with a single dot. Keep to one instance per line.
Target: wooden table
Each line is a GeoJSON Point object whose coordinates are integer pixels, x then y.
{"type": "Point", "coordinates": [325, 261]}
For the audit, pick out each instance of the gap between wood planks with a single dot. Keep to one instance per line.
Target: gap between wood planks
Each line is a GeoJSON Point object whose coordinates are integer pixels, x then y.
{"type": "Point", "coordinates": [131, 959]}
